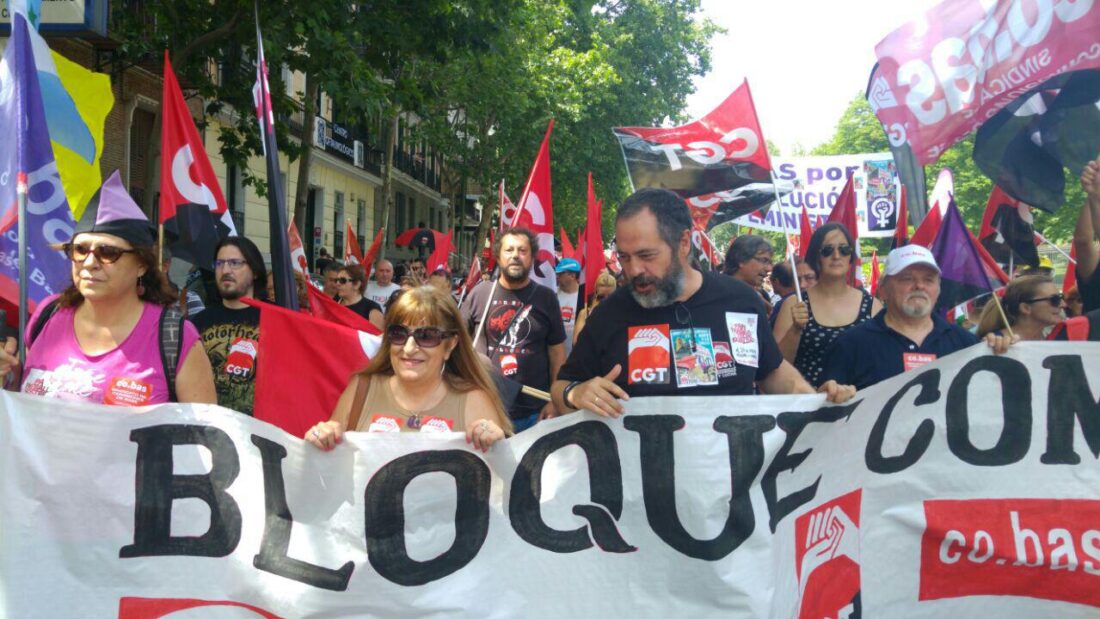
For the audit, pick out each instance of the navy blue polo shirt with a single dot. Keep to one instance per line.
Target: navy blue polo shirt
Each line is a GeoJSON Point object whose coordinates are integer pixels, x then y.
{"type": "Point", "coordinates": [871, 352]}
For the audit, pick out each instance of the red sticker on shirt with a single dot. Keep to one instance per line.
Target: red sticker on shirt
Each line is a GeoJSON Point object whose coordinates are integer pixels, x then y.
{"type": "Point", "coordinates": [127, 392]}
{"type": "Point", "coordinates": [436, 424]}
{"type": "Point", "coordinates": [648, 355]}
{"type": "Point", "coordinates": [914, 360]}
{"type": "Point", "coordinates": [384, 423]}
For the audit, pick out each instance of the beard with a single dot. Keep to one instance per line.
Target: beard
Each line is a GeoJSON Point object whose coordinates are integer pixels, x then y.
{"type": "Point", "coordinates": [665, 289]}
{"type": "Point", "coordinates": [516, 273]}
{"type": "Point", "coordinates": [917, 310]}
{"type": "Point", "coordinates": [233, 290]}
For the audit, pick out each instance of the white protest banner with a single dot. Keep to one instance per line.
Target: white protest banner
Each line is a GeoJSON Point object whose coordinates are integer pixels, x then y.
{"type": "Point", "coordinates": [817, 183]}
{"type": "Point", "coordinates": [969, 487]}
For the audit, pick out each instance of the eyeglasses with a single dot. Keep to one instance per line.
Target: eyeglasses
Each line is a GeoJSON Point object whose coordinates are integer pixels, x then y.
{"type": "Point", "coordinates": [341, 280]}
{"type": "Point", "coordinates": [231, 263]}
{"type": "Point", "coordinates": [425, 337]}
{"type": "Point", "coordinates": [1055, 299]}
{"type": "Point", "coordinates": [105, 254]}
{"type": "Point", "coordinates": [764, 260]}
{"type": "Point", "coordinates": [827, 250]}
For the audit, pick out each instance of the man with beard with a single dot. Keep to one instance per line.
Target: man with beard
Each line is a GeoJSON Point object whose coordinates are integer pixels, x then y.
{"type": "Point", "coordinates": [673, 330]}
{"type": "Point", "coordinates": [908, 333]}
{"type": "Point", "coordinates": [230, 331]}
{"type": "Point", "coordinates": [523, 333]}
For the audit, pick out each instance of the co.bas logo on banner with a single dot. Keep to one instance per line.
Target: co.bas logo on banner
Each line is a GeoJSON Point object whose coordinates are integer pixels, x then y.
{"type": "Point", "coordinates": [649, 349]}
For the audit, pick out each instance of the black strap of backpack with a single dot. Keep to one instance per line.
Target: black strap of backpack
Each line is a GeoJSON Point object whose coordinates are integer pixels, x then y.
{"type": "Point", "coordinates": [171, 330]}
{"type": "Point", "coordinates": [44, 317]}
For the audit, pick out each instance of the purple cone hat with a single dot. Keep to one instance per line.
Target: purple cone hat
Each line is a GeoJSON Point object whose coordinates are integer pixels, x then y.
{"type": "Point", "coordinates": [112, 211]}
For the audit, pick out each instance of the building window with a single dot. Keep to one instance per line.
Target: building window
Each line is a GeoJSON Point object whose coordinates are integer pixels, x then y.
{"type": "Point", "coordinates": [402, 224]}
{"type": "Point", "coordinates": [361, 223]}
{"type": "Point", "coordinates": [338, 222]}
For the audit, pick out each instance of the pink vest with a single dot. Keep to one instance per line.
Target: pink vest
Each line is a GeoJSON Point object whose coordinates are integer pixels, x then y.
{"type": "Point", "coordinates": [130, 375]}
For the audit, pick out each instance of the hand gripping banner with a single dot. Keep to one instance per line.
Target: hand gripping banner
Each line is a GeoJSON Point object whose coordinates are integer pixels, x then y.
{"type": "Point", "coordinates": [964, 488]}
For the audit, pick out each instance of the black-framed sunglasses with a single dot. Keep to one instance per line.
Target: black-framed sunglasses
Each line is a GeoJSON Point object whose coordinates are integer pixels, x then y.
{"type": "Point", "coordinates": [827, 250]}
{"type": "Point", "coordinates": [425, 337]}
{"type": "Point", "coordinates": [341, 280]}
{"type": "Point", "coordinates": [105, 254]}
{"type": "Point", "coordinates": [1055, 299]}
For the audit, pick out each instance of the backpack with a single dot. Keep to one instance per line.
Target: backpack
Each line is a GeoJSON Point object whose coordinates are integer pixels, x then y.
{"type": "Point", "coordinates": [171, 326]}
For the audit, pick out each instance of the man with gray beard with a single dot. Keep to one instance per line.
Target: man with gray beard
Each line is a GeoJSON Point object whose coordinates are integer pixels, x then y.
{"type": "Point", "coordinates": [908, 333]}
{"type": "Point", "coordinates": [671, 329]}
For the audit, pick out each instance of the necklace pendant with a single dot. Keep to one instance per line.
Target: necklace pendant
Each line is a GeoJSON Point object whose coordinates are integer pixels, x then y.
{"type": "Point", "coordinates": [413, 422]}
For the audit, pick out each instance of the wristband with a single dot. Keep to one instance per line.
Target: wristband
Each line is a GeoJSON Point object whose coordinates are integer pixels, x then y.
{"type": "Point", "coordinates": [567, 391]}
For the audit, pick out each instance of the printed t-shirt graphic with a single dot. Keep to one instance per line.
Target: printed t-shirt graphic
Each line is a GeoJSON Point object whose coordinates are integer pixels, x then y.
{"type": "Point", "coordinates": [648, 354]}
{"type": "Point", "coordinates": [232, 341]}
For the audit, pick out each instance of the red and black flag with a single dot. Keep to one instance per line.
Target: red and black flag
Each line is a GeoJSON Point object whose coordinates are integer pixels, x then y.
{"type": "Point", "coordinates": [192, 208]}
{"type": "Point", "coordinates": [901, 228]}
{"type": "Point", "coordinates": [721, 160]}
{"type": "Point", "coordinates": [1007, 230]}
{"type": "Point", "coordinates": [281, 270]}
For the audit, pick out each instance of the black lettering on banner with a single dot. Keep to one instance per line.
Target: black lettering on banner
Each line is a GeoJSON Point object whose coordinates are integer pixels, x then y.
{"type": "Point", "coordinates": [1015, 436]}
{"type": "Point", "coordinates": [385, 515]}
{"type": "Point", "coordinates": [157, 487]}
{"type": "Point", "coordinates": [1069, 398]}
{"type": "Point", "coordinates": [745, 435]}
{"type": "Point", "coordinates": [277, 524]}
{"type": "Point", "coordinates": [793, 424]}
{"type": "Point", "coordinates": [928, 381]}
{"type": "Point", "coordinates": [606, 490]}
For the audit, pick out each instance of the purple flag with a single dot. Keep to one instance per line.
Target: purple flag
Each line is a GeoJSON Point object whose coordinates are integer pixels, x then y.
{"type": "Point", "coordinates": [962, 275]}
{"type": "Point", "coordinates": [27, 157]}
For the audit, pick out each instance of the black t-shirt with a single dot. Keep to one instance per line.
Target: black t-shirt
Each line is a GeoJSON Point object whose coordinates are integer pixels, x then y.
{"type": "Point", "coordinates": [520, 327]}
{"type": "Point", "coordinates": [1090, 290]}
{"type": "Point", "coordinates": [718, 342]}
{"type": "Point", "coordinates": [231, 338]}
{"type": "Point", "coordinates": [364, 307]}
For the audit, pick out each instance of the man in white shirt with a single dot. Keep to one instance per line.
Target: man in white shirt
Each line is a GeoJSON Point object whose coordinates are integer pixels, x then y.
{"type": "Point", "coordinates": [569, 275]}
{"type": "Point", "coordinates": [382, 288]}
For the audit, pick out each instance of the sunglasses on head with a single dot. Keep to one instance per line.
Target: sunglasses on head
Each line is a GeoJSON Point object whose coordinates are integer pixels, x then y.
{"type": "Point", "coordinates": [827, 250]}
{"type": "Point", "coordinates": [425, 337]}
{"type": "Point", "coordinates": [1055, 299]}
{"type": "Point", "coordinates": [105, 254]}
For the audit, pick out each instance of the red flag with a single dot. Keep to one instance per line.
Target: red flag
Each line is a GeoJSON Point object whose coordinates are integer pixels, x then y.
{"type": "Point", "coordinates": [705, 245]}
{"type": "Point", "coordinates": [593, 241]}
{"type": "Point", "coordinates": [805, 232]}
{"type": "Point", "coordinates": [324, 307]}
{"type": "Point", "coordinates": [444, 247]}
{"type": "Point", "coordinates": [297, 251]}
{"type": "Point", "coordinates": [490, 258]}
{"type": "Point", "coordinates": [845, 212]}
{"type": "Point", "coordinates": [536, 213]}
{"type": "Point", "coordinates": [192, 207]}
{"type": "Point", "coordinates": [507, 209]}
{"type": "Point", "coordinates": [472, 277]}
{"type": "Point", "coordinates": [406, 237]}
{"type": "Point", "coordinates": [567, 250]}
{"type": "Point", "coordinates": [372, 252]}
{"type": "Point", "coordinates": [1008, 230]}
{"type": "Point", "coordinates": [612, 258]}
{"type": "Point", "coordinates": [1071, 271]}
{"type": "Point", "coordinates": [901, 228]}
{"type": "Point", "coordinates": [352, 253]}
{"type": "Point", "coordinates": [941, 197]}
{"type": "Point", "coordinates": [874, 272]}
{"type": "Point", "coordinates": [578, 251]}
{"type": "Point", "coordinates": [298, 384]}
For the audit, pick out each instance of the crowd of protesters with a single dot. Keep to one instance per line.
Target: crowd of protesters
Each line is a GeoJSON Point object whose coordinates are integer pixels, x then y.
{"type": "Point", "coordinates": [509, 352]}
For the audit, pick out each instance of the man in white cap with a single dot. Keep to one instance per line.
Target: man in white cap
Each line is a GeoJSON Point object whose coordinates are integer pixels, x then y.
{"type": "Point", "coordinates": [908, 333]}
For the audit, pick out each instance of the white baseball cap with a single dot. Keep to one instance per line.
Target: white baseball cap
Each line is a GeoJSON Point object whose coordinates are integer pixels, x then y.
{"type": "Point", "coordinates": [905, 257]}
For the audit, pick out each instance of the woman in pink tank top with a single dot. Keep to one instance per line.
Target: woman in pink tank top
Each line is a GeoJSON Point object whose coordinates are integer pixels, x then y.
{"type": "Point", "coordinates": [102, 342]}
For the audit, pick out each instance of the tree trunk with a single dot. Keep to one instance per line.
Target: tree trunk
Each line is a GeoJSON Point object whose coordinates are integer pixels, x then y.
{"type": "Point", "coordinates": [387, 179]}
{"type": "Point", "coordinates": [309, 122]}
{"type": "Point", "coordinates": [491, 206]}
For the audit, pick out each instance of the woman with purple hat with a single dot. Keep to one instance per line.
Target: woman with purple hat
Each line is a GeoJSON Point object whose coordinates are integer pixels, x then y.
{"type": "Point", "coordinates": [114, 335]}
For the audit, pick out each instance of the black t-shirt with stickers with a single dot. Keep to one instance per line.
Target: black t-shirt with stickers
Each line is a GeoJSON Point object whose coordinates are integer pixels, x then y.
{"type": "Point", "coordinates": [231, 338]}
{"type": "Point", "coordinates": [717, 342]}
{"type": "Point", "coordinates": [519, 328]}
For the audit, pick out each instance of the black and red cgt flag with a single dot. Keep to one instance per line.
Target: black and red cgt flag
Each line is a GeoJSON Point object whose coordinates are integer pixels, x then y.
{"type": "Point", "coordinates": [1008, 231]}
{"type": "Point", "coordinates": [720, 159]}
{"type": "Point", "coordinates": [192, 207]}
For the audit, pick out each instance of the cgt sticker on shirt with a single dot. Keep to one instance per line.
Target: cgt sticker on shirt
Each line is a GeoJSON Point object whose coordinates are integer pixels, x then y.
{"type": "Point", "coordinates": [743, 343]}
{"type": "Point", "coordinates": [242, 357]}
{"type": "Point", "coordinates": [435, 425]}
{"type": "Point", "coordinates": [723, 359]}
{"type": "Point", "coordinates": [648, 355]}
{"type": "Point", "coordinates": [384, 423]}
{"type": "Point", "coordinates": [914, 360]}
{"type": "Point", "coordinates": [124, 391]}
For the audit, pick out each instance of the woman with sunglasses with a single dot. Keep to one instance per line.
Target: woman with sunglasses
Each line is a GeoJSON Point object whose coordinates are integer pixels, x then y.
{"type": "Point", "coordinates": [426, 377]}
{"type": "Point", "coordinates": [100, 339]}
{"type": "Point", "coordinates": [805, 328]}
{"type": "Point", "coordinates": [605, 285]}
{"type": "Point", "coordinates": [350, 284]}
{"type": "Point", "coordinates": [1033, 305]}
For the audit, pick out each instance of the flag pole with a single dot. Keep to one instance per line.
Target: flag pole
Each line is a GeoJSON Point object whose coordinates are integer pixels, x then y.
{"type": "Point", "coordinates": [1056, 248]}
{"type": "Point", "coordinates": [786, 235]}
{"type": "Point", "coordinates": [485, 314]}
{"type": "Point", "coordinates": [21, 200]}
{"type": "Point", "coordinates": [1001, 309]}
{"type": "Point", "coordinates": [160, 246]}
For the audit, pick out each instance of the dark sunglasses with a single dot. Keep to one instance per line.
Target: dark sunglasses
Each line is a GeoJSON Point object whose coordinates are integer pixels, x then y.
{"type": "Point", "coordinates": [425, 337]}
{"type": "Point", "coordinates": [1055, 299]}
{"type": "Point", "coordinates": [105, 254]}
{"type": "Point", "coordinates": [827, 250]}
{"type": "Point", "coordinates": [341, 280]}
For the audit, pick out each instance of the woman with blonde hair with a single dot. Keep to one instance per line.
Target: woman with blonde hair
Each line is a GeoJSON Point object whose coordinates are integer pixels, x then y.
{"type": "Point", "coordinates": [605, 285]}
{"type": "Point", "coordinates": [1033, 305]}
{"type": "Point", "coordinates": [426, 377]}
